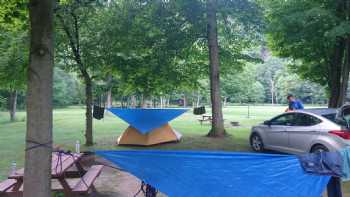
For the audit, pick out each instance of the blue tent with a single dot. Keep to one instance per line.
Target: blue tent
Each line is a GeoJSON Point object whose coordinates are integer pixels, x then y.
{"type": "Point", "coordinates": [220, 174]}
{"type": "Point", "coordinates": [146, 120]}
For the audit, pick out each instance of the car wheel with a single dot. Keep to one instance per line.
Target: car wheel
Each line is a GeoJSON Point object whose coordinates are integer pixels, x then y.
{"type": "Point", "coordinates": [256, 143]}
{"type": "Point", "coordinates": [319, 148]}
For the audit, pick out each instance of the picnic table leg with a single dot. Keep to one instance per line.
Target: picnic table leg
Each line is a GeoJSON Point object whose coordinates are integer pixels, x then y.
{"type": "Point", "coordinates": [82, 171]}
{"type": "Point", "coordinates": [66, 188]}
{"type": "Point", "coordinates": [18, 185]}
{"type": "Point", "coordinates": [80, 168]}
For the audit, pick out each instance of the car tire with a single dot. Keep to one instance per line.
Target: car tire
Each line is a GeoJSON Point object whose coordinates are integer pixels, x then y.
{"type": "Point", "coordinates": [319, 148]}
{"type": "Point", "coordinates": [256, 143]}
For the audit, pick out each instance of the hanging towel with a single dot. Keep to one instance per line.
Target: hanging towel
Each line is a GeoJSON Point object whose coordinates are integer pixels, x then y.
{"type": "Point", "coordinates": [98, 112]}
{"type": "Point", "coordinates": [345, 153]}
{"type": "Point", "coordinates": [323, 163]}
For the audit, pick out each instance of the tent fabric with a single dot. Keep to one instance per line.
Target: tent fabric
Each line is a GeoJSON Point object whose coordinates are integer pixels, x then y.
{"type": "Point", "coordinates": [160, 135]}
{"type": "Point", "coordinates": [217, 174]}
{"type": "Point", "coordinates": [146, 120]}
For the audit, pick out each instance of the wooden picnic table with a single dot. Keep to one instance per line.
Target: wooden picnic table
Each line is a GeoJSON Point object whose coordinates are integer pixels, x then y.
{"type": "Point", "coordinates": [205, 118]}
{"type": "Point", "coordinates": [63, 168]}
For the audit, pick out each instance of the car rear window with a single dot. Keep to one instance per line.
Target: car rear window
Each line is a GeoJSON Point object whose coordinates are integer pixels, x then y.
{"type": "Point", "coordinates": [330, 117]}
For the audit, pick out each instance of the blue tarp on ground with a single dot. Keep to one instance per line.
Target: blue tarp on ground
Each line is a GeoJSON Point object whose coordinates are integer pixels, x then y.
{"type": "Point", "coordinates": [220, 174]}
{"type": "Point", "coordinates": [145, 120]}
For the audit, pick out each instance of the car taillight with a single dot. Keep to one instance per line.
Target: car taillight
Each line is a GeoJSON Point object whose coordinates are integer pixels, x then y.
{"type": "Point", "coordinates": [341, 133]}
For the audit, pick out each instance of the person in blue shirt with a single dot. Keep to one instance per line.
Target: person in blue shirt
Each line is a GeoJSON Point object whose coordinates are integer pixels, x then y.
{"type": "Point", "coordinates": [294, 104]}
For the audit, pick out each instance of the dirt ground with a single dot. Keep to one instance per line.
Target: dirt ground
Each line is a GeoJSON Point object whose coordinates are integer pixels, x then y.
{"type": "Point", "coordinates": [113, 182]}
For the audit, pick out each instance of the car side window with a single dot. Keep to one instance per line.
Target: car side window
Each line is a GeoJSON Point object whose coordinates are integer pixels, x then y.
{"type": "Point", "coordinates": [306, 120]}
{"type": "Point", "coordinates": [283, 120]}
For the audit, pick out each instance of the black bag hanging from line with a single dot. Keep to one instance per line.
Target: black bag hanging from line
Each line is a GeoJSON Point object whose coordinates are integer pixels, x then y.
{"type": "Point", "coordinates": [98, 112]}
{"type": "Point", "coordinates": [199, 110]}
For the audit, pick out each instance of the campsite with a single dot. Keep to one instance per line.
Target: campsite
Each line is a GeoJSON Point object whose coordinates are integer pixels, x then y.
{"type": "Point", "coordinates": [198, 98]}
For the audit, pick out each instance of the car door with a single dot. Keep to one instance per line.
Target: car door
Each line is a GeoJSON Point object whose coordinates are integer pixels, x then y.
{"type": "Point", "coordinates": [277, 137]}
{"type": "Point", "coordinates": [303, 132]}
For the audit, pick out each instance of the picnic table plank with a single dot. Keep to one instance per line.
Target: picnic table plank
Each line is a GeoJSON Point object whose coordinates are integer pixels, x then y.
{"type": "Point", "coordinates": [67, 161]}
{"type": "Point", "coordinates": [61, 162]}
{"type": "Point", "coordinates": [88, 179]}
{"type": "Point", "coordinates": [7, 184]}
{"type": "Point", "coordinates": [59, 165]}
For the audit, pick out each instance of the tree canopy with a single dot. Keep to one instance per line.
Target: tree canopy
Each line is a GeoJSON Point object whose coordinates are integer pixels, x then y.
{"type": "Point", "coordinates": [315, 35]}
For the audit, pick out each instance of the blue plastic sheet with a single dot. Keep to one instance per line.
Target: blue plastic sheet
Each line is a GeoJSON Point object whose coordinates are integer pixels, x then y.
{"type": "Point", "coordinates": [145, 120]}
{"type": "Point", "coordinates": [219, 174]}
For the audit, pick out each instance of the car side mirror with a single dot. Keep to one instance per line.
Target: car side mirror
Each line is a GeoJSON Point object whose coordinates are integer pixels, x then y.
{"type": "Point", "coordinates": [267, 122]}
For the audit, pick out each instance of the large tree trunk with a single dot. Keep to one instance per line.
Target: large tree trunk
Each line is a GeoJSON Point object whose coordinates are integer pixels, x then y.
{"type": "Point", "coordinates": [339, 70]}
{"type": "Point", "coordinates": [88, 102]}
{"type": "Point", "coordinates": [346, 65]}
{"type": "Point", "coordinates": [335, 75]}
{"type": "Point", "coordinates": [217, 129]}
{"type": "Point", "coordinates": [344, 75]}
{"type": "Point", "coordinates": [37, 177]}
{"type": "Point", "coordinates": [13, 105]}
{"type": "Point", "coordinates": [335, 82]}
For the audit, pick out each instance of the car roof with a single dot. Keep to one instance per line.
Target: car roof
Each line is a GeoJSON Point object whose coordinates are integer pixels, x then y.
{"type": "Point", "coordinates": [320, 111]}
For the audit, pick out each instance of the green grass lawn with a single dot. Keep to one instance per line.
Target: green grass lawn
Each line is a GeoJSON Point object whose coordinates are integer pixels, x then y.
{"type": "Point", "coordinates": [69, 126]}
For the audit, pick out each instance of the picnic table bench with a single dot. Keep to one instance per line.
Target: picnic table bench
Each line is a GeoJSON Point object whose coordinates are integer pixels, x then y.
{"type": "Point", "coordinates": [64, 168]}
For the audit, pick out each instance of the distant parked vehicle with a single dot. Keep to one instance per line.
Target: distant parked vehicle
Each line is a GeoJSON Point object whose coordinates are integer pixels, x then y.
{"type": "Point", "coordinates": [304, 131]}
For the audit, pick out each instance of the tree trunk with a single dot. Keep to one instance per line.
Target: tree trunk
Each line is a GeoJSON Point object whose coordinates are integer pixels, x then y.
{"type": "Point", "coordinates": [217, 129]}
{"type": "Point", "coordinates": [184, 101]}
{"type": "Point", "coordinates": [13, 105]}
{"type": "Point", "coordinates": [162, 102]}
{"type": "Point", "coordinates": [335, 74]}
{"type": "Point", "coordinates": [109, 98]}
{"type": "Point", "coordinates": [133, 101]}
{"type": "Point", "coordinates": [198, 98]}
{"type": "Point", "coordinates": [88, 102]}
{"type": "Point", "coordinates": [339, 71]}
{"type": "Point", "coordinates": [272, 92]}
{"type": "Point", "coordinates": [74, 43]}
{"type": "Point", "coordinates": [142, 101]}
{"type": "Point", "coordinates": [37, 177]}
{"type": "Point", "coordinates": [193, 99]}
{"type": "Point", "coordinates": [344, 75]}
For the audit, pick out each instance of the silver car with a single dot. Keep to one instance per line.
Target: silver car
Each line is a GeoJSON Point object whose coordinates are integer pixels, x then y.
{"type": "Point", "coordinates": [303, 131]}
